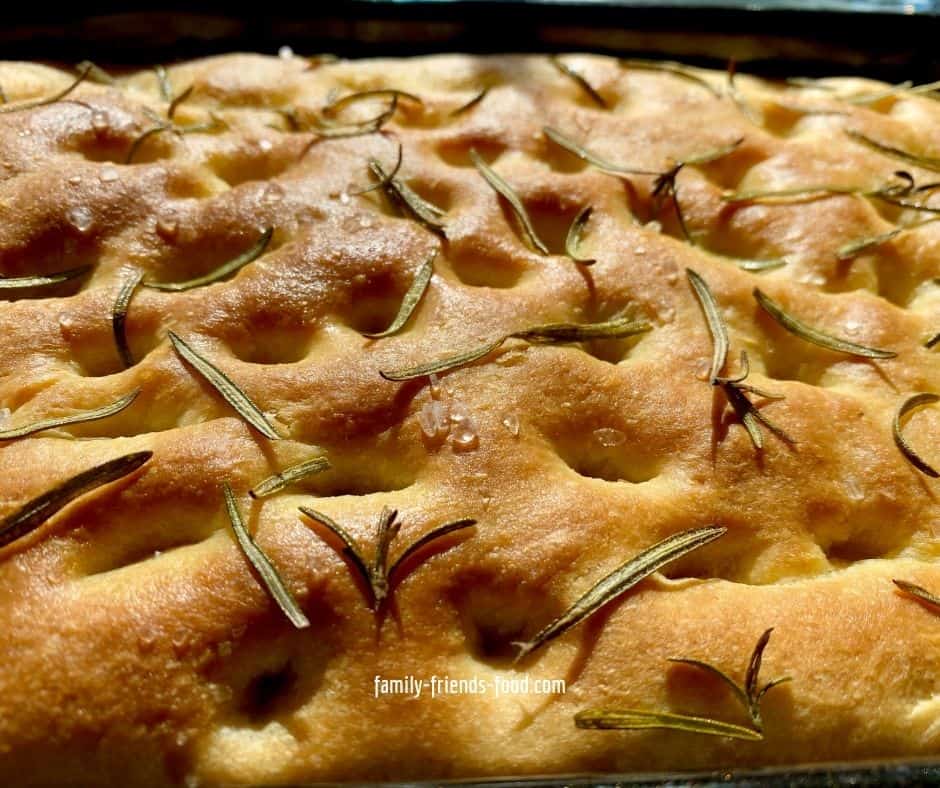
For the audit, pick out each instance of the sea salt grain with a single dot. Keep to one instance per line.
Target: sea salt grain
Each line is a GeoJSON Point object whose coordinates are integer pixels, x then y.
{"type": "Point", "coordinates": [81, 218]}
{"type": "Point", "coordinates": [108, 173]}
{"type": "Point", "coordinates": [511, 423]}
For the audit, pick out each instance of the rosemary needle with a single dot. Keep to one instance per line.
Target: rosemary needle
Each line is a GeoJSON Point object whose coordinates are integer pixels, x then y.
{"type": "Point", "coordinates": [411, 300]}
{"type": "Point", "coordinates": [621, 580]}
{"type": "Point", "coordinates": [223, 271]}
{"type": "Point", "coordinates": [37, 511]}
{"type": "Point", "coordinates": [912, 403]}
{"type": "Point", "coordinates": [262, 564]}
{"type": "Point", "coordinates": [714, 321]}
{"type": "Point", "coordinates": [119, 317]}
{"type": "Point", "coordinates": [580, 81]}
{"type": "Point", "coordinates": [83, 74]}
{"type": "Point", "coordinates": [814, 335]}
{"type": "Point", "coordinates": [76, 418]}
{"type": "Point", "coordinates": [225, 386]}
{"type": "Point", "coordinates": [501, 187]}
{"type": "Point", "coordinates": [288, 476]}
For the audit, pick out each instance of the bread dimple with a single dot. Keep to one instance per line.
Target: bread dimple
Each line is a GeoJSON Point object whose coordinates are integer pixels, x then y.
{"type": "Point", "coordinates": [138, 643]}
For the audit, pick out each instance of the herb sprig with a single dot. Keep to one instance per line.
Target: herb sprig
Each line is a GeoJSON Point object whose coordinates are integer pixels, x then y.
{"type": "Point", "coordinates": [551, 333]}
{"type": "Point", "coordinates": [288, 476]}
{"type": "Point", "coordinates": [749, 695]}
{"type": "Point", "coordinates": [621, 580]}
{"type": "Point", "coordinates": [377, 574]}
{"type": "Point", "coordinates": [734, 388]}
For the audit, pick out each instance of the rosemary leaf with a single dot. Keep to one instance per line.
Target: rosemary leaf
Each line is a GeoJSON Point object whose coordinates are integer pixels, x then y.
{"type": "Point", "coordinates": [444, 364]}
{"type": "Point", "coordinates": [386, 530]}
{"type": "Point", "coordinates": [638, 719]}
{"type": "Point", "coordinates": [332, 130]}
{"type": "Point", "coordinates": [713, 155]}
{"type": "Point", "coordinates": [925, 162]}
{"type": "Point", "coordinates": [751, 418]}
{"type": "Point", "coordinates": [142, 138]}
{"type": "Point", "coordinates": [50, 280]}
{"type": "Point", "coordinates": [621, 580]}
{"type": "Point", "coordinates": [587, 156]}
{"type": "Point", "coordinates": [411, 300]}
{"type": "Point", "coordinates": [226, 387]}
{"type": "Point", "coordinates": [912, 403]}
{"type": "Point", "coordinates": [508, 193]}
{"type": "Point", "coordinates": [288, 476]}
{"type": "Point", "coordinates": [333, 108]}
{"type": "Point", "coordinates": [119, 317]}
{"type": "Point", "coordinates": [573, 239]}
{"type": "Point", "coordinates": [76, 418]}
{"type": "Point", "coordinates": [163, 82]}
{"type": "Point", "coordinates": [582, 83]}
{"type": "Point", "coordinates": [223, 271]}
{"type": "Point", "coordinates": [95, 73]}
{"type": "Point", "coordinates": [262, 564]}
{"type": "Point", "coordinates": [932, 342]}
{"type": "Point", "coordinates": [37, 511]}
{"type": "Point", "coordinates": [907, 87]}
{"type": "Point", "coordinates": [406, 198]}
{"type": "Point", "coordinates": [676, 69]}
{"type": "Point", "coordinates": [470, 104]}
{"type": "Point", "coordinates": [716, 323]}
{"type": "Point", "coordinates": [174, 104]}
{"type": "Point", "coordinates": [788, 195]}
{"type": "Point", "coordinates": [350, 548]}
{"type": "Point", "coordinates": [920, 593]}
{"type": "Point", "coordinates": [855, 248]}
{"type": "Point", "coordinates": [431, 536]}
{"type": "Point", "coordinates": [83, 74]}
{"type": "Point", "coordinates": [553, 333]}
{"type": "Point", "coordinates": [757, 266]}
{"type": "Point", "coordinates": [739, 692]}
{"type": "Point", "coordinates": [386, 180]}
{"type": "Point", "coordinates": [813, 335]}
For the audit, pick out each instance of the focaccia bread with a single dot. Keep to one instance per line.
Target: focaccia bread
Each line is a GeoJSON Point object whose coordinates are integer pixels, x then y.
{"type": "Point", "coordinates": [144, 641]}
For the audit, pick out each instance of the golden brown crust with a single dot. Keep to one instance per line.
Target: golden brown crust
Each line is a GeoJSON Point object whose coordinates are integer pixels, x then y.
{"type": "Point", "coordinates": [137, 644]}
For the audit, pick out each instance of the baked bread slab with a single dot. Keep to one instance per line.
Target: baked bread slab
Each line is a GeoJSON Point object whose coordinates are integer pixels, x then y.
{"type": "Point", "coordinates": [138, 645]}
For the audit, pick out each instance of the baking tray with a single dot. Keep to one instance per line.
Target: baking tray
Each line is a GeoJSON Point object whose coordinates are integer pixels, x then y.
{"type": "Point", "coordinates": [893, 40]}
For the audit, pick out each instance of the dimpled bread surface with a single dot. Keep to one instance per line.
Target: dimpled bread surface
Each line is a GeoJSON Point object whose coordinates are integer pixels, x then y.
{"type": "Point", "coordinates": [139, 646]}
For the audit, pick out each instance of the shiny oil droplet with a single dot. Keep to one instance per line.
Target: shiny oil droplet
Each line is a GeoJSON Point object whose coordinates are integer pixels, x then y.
{"type": "Point", "coordinates": [285, 52]}
{"type": "Point", "coordinates": [81, 218]}
{"type": "Point", "coordinates": [511, 423]}
{"type": "Point", "coordinates": [344, 198]}
{"type": "Point", "coordinates": [265, 145]}
{"type": "Point", "coordinates": [75, 180]}
{"type": "Point", "coordinates": [609, 437]}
